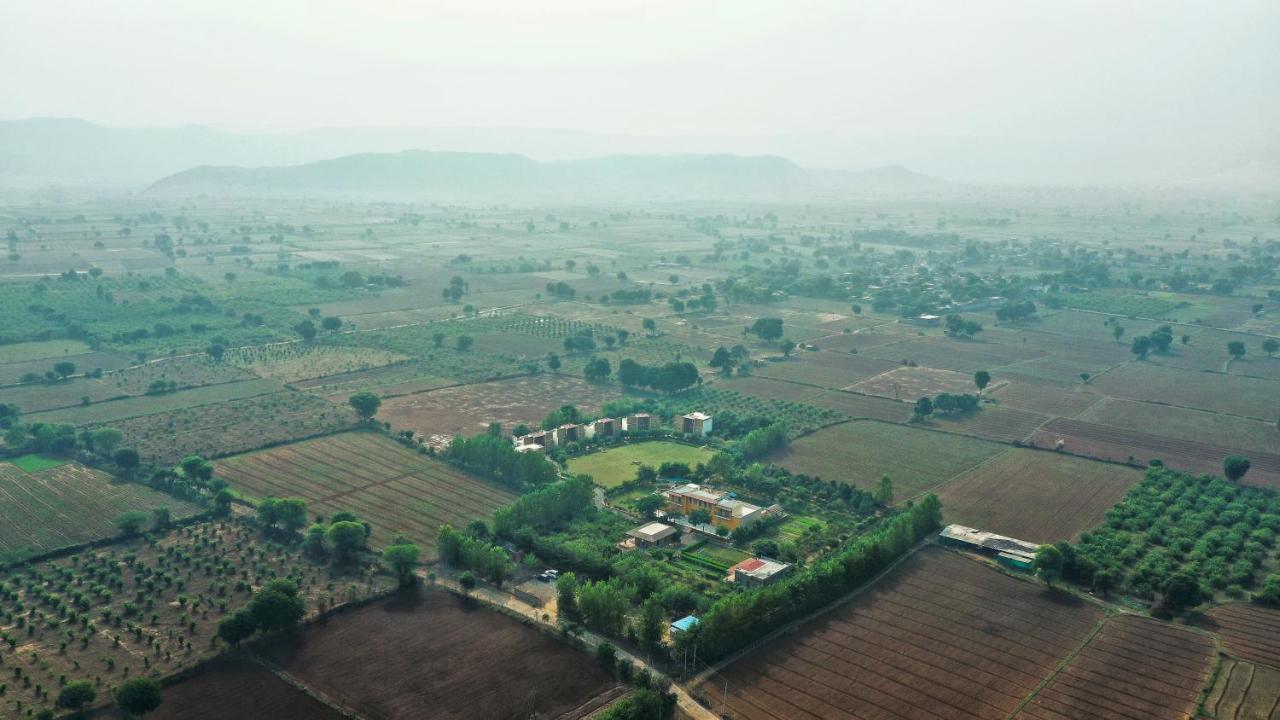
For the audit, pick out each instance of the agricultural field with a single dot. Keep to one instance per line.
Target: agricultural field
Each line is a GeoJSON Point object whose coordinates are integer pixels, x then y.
{"type": "Point", "coordinates": [51, 350]}
{"type": "Point", "coordinates": [826, 369]}
{"type": "Point", "coordinates": [1229, 394]}
{"type": "Point", "coordinates": [239, 689]}
{"type": "Point", "coordinates": [862, 451]}
{"type": "Point", "coordinates": [909, 383]}
{"type": "Point", "coordinates": [613, 466]}
{"type": "Point", "coordinates": [893, 651]}
{"type": "Point", "coordinates": [387, 381]}
{"type": "Point", "coordinates": [1036, 495]}
{"type": "Point", "coordinates": [174, 373]}
{"type": "Point", "coordinates": [1185, 424]}
{"type": "Point", "coordinates": [394, 488]}
{"type": "Point", "coordinates": [1123, 445]}
{"type": "Point", "coordinates": [235, 426]}
{"type": "Point", "coordinates": [438, 415]}
{"type": "Point", "coordinates": [1244, 691]}
{"type": "Point", "coordinates": [132, 407]}
{"type": "Point", "coordinates": [144, 607]}
{"type": "Point", "coordinates": [46, 506]}
{"type": "Point", "coordinates": [459, 660]}
{"type": "Point", "coordinates": [296, 361]}
{"type": "Point", "coordinates": [1132, 668]}
{"type": "Point", "coordinates": [105, 360]}
{"type": "Point", "coordinates": [1248, 632]}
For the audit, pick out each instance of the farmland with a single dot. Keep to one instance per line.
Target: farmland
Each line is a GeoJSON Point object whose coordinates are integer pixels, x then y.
{"type": "Point", "coordinates": [112, 411]}
{"type": "Point", "coordinates": [613, 466]}
{"type": "Point", "coordinates": [395, 489]}
{"type": "Point", "coordinates": [1036, 496]}
{"type": "Point", "coordinates": [293, 362]}
{"type": "Point", "coordinates": [1244, 691]}
{"type": "Point", "coordinates": [1132, 668]}
{"type": "Point", "coordinates": [893, 650]}
{"type": "Point", "coordinates": [860, 452]}
{"type": "Point", "coordinates": [468, 409]}
{"type": "Point", "coordinates": [47, 508]}
{"type": "Point", "coordinates": [234, 426]}
{"type": "Point", "coordinates": [1248, 632]}
{"type": "Point", "coordinates": [461, 661]}
{"type": "Point", "coordinates": [144, 607]}
{"type": "Point", "coordinates": [240, 689]}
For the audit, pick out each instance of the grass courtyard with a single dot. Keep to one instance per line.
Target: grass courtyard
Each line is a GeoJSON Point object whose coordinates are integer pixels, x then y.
{"type": "Point", "coordinates": [613, 466]}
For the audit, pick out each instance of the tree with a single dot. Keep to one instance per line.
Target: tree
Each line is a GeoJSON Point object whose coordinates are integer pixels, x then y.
{"type": "Point", "coordinates": [64, 369]}
{"type": "Point", "coordinates": [1049, 564]}
{"type": "Point", "coordinates": [365, 404]}
{"type": "Point", "coordinates": [331, 323]}
{"type": "Point", "coordinates": [648, 505]}
{"type": "Point", "coordinates": [75, 695]}
{"type": "Point", "coordinates": [649, 325]}
{"type": "Point", "coordinates": [597, 369]}
{"type": "Point", "coordinates": [437, 339]}
{"type": "Point", "coordinates": [1270, 346]}
{"type": "Point", "coordinates": [306, 329]}
{"type": "Point", "coordinates": [1236, 349]}
{"type": "Point", "coordinates": [346, 538]}
{"type": "Point", "coordinates": [1117, 332]}
{"type": "Point", "coordinates": [567, 595]}
{"type": "Point", "coordinates": [1141, 346]}
{"type": "Point", "coordinates": [401, 558]}
{"type": "Point", "coordinates": [722, 360]}
{"type": "Point", "coordinates": [884, 491]}
{"type": "Point", "coordinates": [1270, 593]}
{"type": "Point", "coordinates": [553, 362]}
{"type": "Point", "coordinates": [1103, 581]}
{"type": "Point", "coordinates": [276, 606]}
{"type": "Point", "coordinates": [767, 329]}
{"type": "Point", "coordinates": [1235, 466]}
{"type": "Point", "coordinates": [607, 656]}
{"type": "Point", "coordinates": [923, 408]}
{"type": "Point", "coordinates": [786, 347]}
{"type": "Point", "coordinates": [622, 336]}
{"type": "Point", "coordinates": [130, 523]}
{"type": "Point", "coordinates": [1182, 592]}
{"type": "Point", "coordinates": [105, 440]}
{"type": "Point", "coordinates": [216, 351]}
{"type": "Point", "coordinates": [700, 517]}
{"type": "Point", "coordinates": [464, 342]}
{"type": "Point", "coordinates": [651, 625]}
{"type": "Point", "coordinates": [139, 696]}
{"type": "Point", "coordinates": [467, 580]}
{"type": "Point", "coordinates": [161, 518]}
{"type": "Point", "coordinates": [981, 380]}
{"type": "Point", "coordinates": [959, 327]}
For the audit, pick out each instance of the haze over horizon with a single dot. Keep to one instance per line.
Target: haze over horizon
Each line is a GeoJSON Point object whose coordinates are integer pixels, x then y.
{"type": "Point", "coordinates": [1084, 92]}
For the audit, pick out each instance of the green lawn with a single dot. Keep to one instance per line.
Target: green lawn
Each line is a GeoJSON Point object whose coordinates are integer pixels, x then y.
{"type": "Point", "coordinates": [36, 462]}
{"type": "Point", "coordinates": [616, 465]}
{"type": "Point", "coordinates": [726, 556]}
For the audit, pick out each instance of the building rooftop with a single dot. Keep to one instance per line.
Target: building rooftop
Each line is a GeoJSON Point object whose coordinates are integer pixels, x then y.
{"type": "Point", "coordinates": [653, 532]}
{"type": "Point", "coordinates": [698, 416]}
{"type": "Point", "coordinates": [685, 623]}
{"type": "Point", "coordinates": [990, 541]}
{"type": "Point", "coordinates": [758, 568]}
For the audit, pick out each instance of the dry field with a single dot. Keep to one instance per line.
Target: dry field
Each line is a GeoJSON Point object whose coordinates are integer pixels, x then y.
{"type": "Point", "coordinates": [1186, 424]}
{"type": "Point", "coordinates": [400, 656]}
{"type": "Point", "coordinates": [993, 422]}
{"type": "Point", "coordinates": [1044, 397]}
{"type": "Point", "coordinates": [861, 451]}
{"type": "Point", "coordinates": [1116, 444]}
{"type": "Point", "coordinates": [1244, 691]}
{"type": "Point", "coordinates": [1231, 394]}
{"type": "Point", "coordinates": [394, 488]}
{"type": "Point", "coordinates": [438, 415]}
{"type": "Point", "coordinates": [910, 383]}
{"type": "Point", "coordinates": [828, 369]}
{"type": "Point", "coordinates": [67, 505]}
{"type": "Point", "coordinates": [1133, 669]}
{"type": "Point", "coordinates": [239, 689]}
{"type": "Point", "coordinates": [960, 355]}
{"type": "Point", "coordinates": [1248, 632]}
{"type": "Point", "coordinates": [941, 638]}
{"type": "Point", "coordinates": [1036, 495]}
{"type": "Point", "coordinates": [235, 426]}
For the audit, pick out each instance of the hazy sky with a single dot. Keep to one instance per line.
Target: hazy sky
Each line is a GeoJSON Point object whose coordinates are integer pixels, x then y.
{"type": "Point", "coordinates": [1022, 69]}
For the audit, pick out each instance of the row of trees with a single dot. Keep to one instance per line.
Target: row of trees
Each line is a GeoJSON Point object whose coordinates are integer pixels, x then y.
{"type": "Point", "coordinates": [944, 404]}
{"type": "Point", "coordinates": [546, 507]}
{"type": "Point", "coordinates": [670, 378]}
{"type": "Point", "coordinates": [471, 552]}
{"type": "Point", "coordinates": [496, 458]}
{"type": "Point", "coordinates": [735, 620]}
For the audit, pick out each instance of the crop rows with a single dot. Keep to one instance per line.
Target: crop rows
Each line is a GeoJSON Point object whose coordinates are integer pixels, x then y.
{"type": "Point", "coordinates": [942, 637]}
{"type": "Point", "coordinates": [291, 362]}
{"type": "Point", "coordinates": [1249, 632]}
{"type": "Point", "coordinates": [1133, 669]}
{"type": "Point", "coordinates": [394, 489]}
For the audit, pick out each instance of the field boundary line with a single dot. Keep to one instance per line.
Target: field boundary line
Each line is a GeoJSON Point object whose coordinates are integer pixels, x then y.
{"type": "Point", "coordinates": [1097, 628]}
{"type": "Point", "coordinates": [305, 689]}
{"type": "Point", "coordinates": [981, 463]}
{"type": "Point", "coordinates": [712, 670]}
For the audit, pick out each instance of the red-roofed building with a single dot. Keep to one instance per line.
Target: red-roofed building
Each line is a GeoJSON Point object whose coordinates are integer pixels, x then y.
{"type": "Point", "coordinates": [754, 572]}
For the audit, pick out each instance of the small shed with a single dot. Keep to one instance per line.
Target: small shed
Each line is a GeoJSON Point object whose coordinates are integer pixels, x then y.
{"type": "Point", "coordinates": [654, 534]}
{"type": "Point", "coordinates": [685, 624]}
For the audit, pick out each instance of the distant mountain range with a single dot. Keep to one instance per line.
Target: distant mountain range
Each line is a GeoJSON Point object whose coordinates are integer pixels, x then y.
{"type": "Point", "coordinates": [72, 153]}
{"type": "Point", "coordinates": [456, 174]}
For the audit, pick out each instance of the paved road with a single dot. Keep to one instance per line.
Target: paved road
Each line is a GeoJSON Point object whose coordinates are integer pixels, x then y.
{"type": "Point", "coordinates": [499, 598]}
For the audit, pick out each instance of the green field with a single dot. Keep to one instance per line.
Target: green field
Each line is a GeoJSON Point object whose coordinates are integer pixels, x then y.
{"type": "Point", "coordinates": [616, 465]}
{"type": "Point", "coordinates": [54, 350]}
{"type": "Point", "coordinates": [132, 407]}
{"type": "Point", "coordinates": [861, 451]}
{"type": "Point", "coordinates": [36, 462]}
{"type": "Point", "coordinates": [53, 506]}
